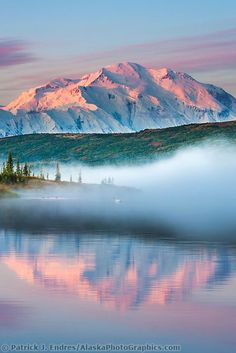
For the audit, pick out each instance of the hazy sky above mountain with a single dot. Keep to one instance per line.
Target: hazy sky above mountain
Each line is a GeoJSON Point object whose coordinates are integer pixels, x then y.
{"type": "Point", "coordinates": [41, 40]}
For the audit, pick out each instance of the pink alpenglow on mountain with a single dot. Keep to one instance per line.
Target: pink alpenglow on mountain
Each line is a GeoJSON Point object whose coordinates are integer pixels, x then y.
{"type": "Point", "coordinates": [125, 97]}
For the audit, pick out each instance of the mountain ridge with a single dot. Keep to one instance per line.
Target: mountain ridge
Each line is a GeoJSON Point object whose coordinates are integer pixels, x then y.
{"type": "Point", "coordinates": [123, 97]}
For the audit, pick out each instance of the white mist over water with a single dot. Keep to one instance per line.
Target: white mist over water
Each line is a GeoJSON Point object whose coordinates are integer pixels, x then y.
{"type": "Point", "coordinates": [196, 165]}
{"type": "Point", "coordinates": [192, 192]}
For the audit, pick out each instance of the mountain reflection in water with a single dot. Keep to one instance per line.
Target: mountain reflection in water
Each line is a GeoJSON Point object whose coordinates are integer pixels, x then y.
{"type": "Point", "coordinates": [122, 272]}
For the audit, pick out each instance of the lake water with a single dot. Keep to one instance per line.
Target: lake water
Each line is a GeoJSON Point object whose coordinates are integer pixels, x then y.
{"type": "Point", "coordinates": [119, 288]}
{"type": "Point", "coordinates": [151, 263]}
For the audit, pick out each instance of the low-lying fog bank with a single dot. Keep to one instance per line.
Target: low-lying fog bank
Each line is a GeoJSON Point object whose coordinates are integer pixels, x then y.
{"type": "Point", "coordinates": [191, 194]}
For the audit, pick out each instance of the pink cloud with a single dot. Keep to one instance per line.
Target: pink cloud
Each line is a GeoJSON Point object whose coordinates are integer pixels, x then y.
{"type": "Point", "coordinates": [212, 51]}
{"type": "Point", "coordinates": [14, 52]}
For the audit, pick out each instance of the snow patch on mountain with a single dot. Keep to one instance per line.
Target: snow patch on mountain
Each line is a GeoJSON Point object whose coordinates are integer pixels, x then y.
{"type": "Point", "coordinates": [124, 97]}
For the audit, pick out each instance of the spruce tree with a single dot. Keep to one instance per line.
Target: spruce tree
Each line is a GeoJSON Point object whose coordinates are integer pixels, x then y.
{"type": "Point", "coordinates": [41, 175]}
{"type": "Point", "coordinates": [80, 178]}
{"type": "Point", "coordinates": [18, 168]}
{"type": "Point", "coordinates": [25, 170]}
{"type": "Point", "coordinates": [58, 173]}
{"type": "Point", "coordinates": [10, 165]}
{"type": "Point", "coordinates": [29, 170]}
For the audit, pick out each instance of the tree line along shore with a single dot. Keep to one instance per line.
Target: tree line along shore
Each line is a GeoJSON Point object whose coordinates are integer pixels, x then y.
{"type": "Point", "coordinates": [13, 172]}
{"type": "Point", "coordinates": [16, 172]}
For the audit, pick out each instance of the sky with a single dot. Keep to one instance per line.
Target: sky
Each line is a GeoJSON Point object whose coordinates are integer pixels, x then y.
{"type": "Point", "coordinates": [44, 39]}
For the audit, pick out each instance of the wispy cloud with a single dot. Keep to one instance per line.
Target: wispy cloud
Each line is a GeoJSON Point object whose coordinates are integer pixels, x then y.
{"type": "Point", "coordinates": [14, 52]}
{"type": "Point", "coordinates": [212, 51]}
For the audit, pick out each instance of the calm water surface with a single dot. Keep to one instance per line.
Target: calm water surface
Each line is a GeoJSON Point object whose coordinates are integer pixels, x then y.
{"type": "Point", "coordinates": [103, 288]}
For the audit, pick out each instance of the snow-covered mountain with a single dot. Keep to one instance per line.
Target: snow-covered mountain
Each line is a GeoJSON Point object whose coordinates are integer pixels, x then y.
{"type": "Point", "coordinates": [124, 97]}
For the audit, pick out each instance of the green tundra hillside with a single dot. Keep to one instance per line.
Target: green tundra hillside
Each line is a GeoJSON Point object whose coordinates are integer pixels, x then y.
{"type": "Point", "coordinates": [95, 149]}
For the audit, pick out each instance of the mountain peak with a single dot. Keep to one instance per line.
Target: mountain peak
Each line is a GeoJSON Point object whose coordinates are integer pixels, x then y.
{"type": "Point", "coordinates": [125, 67]}
{"type": "Point", "coordinates": [121, 65]}
{"type": "Point", "coordinates": [122, 97]}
